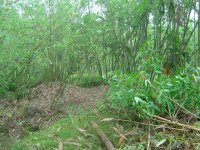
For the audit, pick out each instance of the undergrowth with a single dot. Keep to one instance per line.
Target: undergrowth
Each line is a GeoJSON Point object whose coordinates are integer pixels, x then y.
{"type": "Point", "coordinates": [75, 132]}
{"type": "Point", "coordinates": [88, 80]}
{"type": "Point", "coordinates": [166, 95]}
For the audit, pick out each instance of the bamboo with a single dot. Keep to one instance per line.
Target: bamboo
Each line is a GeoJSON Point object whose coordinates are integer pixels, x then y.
{"type": "Point", "coordinates": [177, 123]}
{"type": "Point", "coordinates": [103, 137]}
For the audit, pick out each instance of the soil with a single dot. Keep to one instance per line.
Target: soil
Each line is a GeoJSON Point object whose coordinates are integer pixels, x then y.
{"type": "Point", "coordinates": [43, 105]}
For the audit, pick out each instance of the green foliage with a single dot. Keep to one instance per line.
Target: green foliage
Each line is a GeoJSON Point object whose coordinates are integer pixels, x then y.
{"type": "Point", "coordinates": [65, 41]}
{"type": "Point", "coordinates": [128, 91]}
{"type": "Point", "coordinates": [37, 45]}
{"type": "Point", "coordinates": [91, 80]}
{"type": "Point", "coordinates": [136, 93]}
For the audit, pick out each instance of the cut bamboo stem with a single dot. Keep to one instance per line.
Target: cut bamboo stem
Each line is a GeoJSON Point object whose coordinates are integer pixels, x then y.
{"type": "Point", "coordinates": [103, 137]}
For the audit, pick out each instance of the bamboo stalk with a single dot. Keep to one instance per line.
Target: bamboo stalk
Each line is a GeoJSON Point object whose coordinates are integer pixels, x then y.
{"type": "Point", "coordinates": [103, 137]}
{"type": "Point", "coordinates": [177, 123]}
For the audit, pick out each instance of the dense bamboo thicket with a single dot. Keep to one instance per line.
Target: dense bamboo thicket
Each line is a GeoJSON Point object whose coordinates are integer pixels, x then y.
{"type": "Point", "coordinates": [53, 40]}
{"type": "Point", "coordinates": [145, 52]}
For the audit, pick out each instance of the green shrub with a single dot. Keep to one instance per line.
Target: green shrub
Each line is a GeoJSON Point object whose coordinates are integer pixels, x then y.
{"type": "Point", "coordinates": [136, 93]}
{"type": "Point", "coordinates": [91, 80]}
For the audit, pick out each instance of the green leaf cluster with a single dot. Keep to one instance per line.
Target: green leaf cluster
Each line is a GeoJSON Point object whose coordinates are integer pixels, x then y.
{"type": "Point", "coordinates": [164, 96]}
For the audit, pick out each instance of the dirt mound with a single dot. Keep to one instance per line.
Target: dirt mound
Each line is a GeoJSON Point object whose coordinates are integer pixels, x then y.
{"type": "Point", "coordinates": [44, 104]}
{"type": "Point", "coordinates": [44, 96]}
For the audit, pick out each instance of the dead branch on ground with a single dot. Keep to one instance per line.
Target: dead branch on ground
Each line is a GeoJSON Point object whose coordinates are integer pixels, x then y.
{"type": "Point", "coordinates": [103, 137]}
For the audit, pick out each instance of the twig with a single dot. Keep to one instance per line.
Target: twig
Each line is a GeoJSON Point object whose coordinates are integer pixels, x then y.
{"type": "Point", "coordinates": [121, 142]}
{"type": "Point", "coordinates": [177, 123]}
{"type": "Point", "coordinates": [82, 131]}
{"type": "Point", "coordinates": [149, 139]}
{"type": "Point", "coordinates": [103, 137]}
{"type": "Point", "coordinates": [164, 126]}
{"type": "Point", "coordinates": [147, 124]}
{"type": "Point", "coordinates": [73, 143]}
{"type": "Point", "coordinates": [128, 133]}
{"type": "Point", "coordinates": [60, 146]}
{"type": "Point", "coordinates": [121, 135]}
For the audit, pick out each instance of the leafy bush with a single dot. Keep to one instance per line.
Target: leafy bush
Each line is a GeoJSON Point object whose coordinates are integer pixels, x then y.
{"type": "Point", "coordinates": [91, 80]}
{"type": "Point", "coordinates": [135, 92]}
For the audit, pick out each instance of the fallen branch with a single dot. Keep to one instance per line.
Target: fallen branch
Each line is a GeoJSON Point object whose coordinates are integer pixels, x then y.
{"type": "Point", "coordinates": [177, 123]}
{"type": "Point", "coordinates": [103, 137]}
{"type": "Point", "coordinates": [148, 124]}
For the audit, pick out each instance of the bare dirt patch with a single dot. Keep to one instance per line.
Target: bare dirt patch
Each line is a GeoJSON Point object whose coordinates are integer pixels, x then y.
{"type": "Point", "coordinates": [43, 105]}
{"type": "Point", "coordinates": [43, 96]}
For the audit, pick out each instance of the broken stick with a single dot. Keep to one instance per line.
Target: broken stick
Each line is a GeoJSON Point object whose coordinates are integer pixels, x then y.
{"type": "Point", "coordinates": [177, 123]}
{"type": "Point", "coordinates": [103, 137]}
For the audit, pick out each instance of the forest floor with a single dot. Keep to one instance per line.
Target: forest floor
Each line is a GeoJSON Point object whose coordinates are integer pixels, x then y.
{"type": "Point", "coordinates": [45, 104]}
{"type": "Point", "coordinates": [57, 116]}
